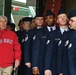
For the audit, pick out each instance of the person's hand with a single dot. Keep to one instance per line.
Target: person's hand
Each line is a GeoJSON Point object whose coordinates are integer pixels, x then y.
{"type": "Point", "coordinates": [47, 72]}
{"type": "Point", "coordinates": [35, 71]}
{"type": "Point", "coordinates": [28, 64]}
{"type": "Point", "coordinates": [61, 74]}
{"type": "Point", "coordinates": [17, 63]}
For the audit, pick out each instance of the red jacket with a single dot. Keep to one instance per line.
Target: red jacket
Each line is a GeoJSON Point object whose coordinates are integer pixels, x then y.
{"type": "Point", "coordinates": [9, 48]}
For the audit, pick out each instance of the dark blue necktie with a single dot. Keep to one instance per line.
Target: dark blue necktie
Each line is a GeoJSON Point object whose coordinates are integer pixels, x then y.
{"type": "Point", "coordinates": [51, 29]}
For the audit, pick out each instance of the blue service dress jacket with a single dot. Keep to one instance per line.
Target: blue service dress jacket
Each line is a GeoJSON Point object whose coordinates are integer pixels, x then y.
{"type": "Point", "coordinates": [28, 44]}
{"type": "Point", "coordinates": [52, 51]}
{"type": "Point", "coordinates": [68, 54]}
{"type": "Point", "coordinates": [39, 49]}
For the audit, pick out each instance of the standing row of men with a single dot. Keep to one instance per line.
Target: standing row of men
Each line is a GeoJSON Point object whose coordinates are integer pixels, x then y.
{"type": "Point", "coordinates": [42, 50]}
{"type": "Point", "coordinates": [46, 50]}
{"type": "Point", "coordinates": [35, 43]}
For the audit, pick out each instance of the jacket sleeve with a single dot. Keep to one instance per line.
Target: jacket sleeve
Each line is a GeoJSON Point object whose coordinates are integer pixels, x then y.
{"type": "Point", "coordinates": [17, 48]}
{"type": "Point", "coordinates": [35, 52]}
{"type": "Point", "coordinates": [60, 57]}
{"type": "Point", "coordinates": [27, 45]}
{"type": "Point", "coordinates": [49, 51]}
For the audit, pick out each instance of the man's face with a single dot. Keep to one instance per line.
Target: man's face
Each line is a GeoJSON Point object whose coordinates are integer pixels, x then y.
{"type": "Point", "coordinates": [72, 23]}
{"type": "Point", "coordinates": [3, 23]}
{"type": "Point", "coordinates": [62, 19]}
{"type": "Point", "coordinates": [50, 20]}
{"type": "Point", "coordinates": [26, 25]}
{"type": "Point", "coordinates": [20, 26]}
{"type": "Point", "coordinates": [39, 21]}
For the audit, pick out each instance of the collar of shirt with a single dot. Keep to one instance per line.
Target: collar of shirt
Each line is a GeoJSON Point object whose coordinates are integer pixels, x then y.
{"type": "Point", "coordinates": [53, 28]}
{"type": "Point", "coordinates": [39, 27]}
{"type": "Point", "coordinates": [3, 31]}
{"type": "Point", "coordinates": [62, 30]}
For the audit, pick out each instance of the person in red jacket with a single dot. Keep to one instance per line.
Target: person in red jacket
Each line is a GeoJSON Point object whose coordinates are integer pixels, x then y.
{"type": "Point", "coordinates": [10, 50]}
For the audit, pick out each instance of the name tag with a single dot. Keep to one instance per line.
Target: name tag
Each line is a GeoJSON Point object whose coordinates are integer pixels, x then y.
{"type": "Point", "coordinates": [43, 37]}
{"type": "Point", "coordinates": [57, 39]}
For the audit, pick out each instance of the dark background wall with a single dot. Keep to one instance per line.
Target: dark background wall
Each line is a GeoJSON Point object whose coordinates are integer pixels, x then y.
{"type": "Point", "coordinates": [7, 9]}
{"type": "Point", "coordinates": [40, 6]}
{"type": "Point", "coordinates": [68, 5]}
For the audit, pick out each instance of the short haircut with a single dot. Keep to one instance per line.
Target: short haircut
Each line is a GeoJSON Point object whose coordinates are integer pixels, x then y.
{"type": "Point", "coordinates": [4, 17]}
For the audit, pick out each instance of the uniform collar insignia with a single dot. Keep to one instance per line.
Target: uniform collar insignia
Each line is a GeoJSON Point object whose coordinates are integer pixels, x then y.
{"type": "Point", "coordinates": [59, 43]}
{"type": "Point", "coordinates": [70, 45]}
{"type": "Point", "coordinates": [66, 43]}
{"type": "Point", "coordinates": [48, 41]}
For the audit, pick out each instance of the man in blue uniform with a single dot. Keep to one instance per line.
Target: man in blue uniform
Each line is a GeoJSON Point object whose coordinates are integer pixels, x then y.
{"type": "Point", "coordinates": [68, 46]}
{"type": "Point", "coordinates": [39, 44]}
{"type": "Point", "coordinates": [26, 25]}
{"type": "Point", "coordinates": [52, 44]}
{"type": "Point", "coordinates": [28, 42]}
{"type": "Point", "coordinates": [72, 45]}
{"type": "Point", "coordinates": [50, 22]}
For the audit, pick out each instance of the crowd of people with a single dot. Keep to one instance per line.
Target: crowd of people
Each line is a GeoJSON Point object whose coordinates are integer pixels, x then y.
{"type": "Point", "coordinates": [36, 49]}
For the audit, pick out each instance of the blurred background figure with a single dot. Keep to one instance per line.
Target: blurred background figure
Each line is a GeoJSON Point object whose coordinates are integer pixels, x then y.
{"type": "Point", "coordinates": [11, 26]}
{"type": "Point", "coordinates": [26, 23]}
{"type": "Point", "coordinates": [20, 25]}
{"type": "Point", "coordinates": [33, 25]}
{"type": "Point", "coordinates": [20, 31]}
